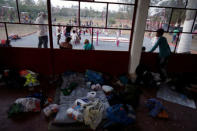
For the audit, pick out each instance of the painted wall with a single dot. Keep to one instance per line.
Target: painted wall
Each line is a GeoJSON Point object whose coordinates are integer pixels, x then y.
{"type": "Point", "coordinates": [46, 61]}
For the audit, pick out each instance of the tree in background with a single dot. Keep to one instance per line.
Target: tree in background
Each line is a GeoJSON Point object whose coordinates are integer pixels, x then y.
{"type": "Point", "coordinates": [128, 9]}
{"type": "Point", "coordinates": [27, 2]}
{"type": "Point", "coordinates": [42, 5]}
{"type": "Point", "coordinates": [8, 10]}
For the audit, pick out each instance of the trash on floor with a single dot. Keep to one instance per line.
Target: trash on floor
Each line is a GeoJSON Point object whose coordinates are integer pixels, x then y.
{"type": "Point", "coordinates": [12, 78]}
{"type": "Point", "coordinates": [67, 91]}
{"type": "Point", "coordinates": [145, 76]}
{"type": "Point", "coordinates": [51, 109]}
{"type": "Point", "coordinates": [107, 88]}
{"type": "Point", "coordinates": [96, 87]}
{"type": "Point", "coordinates": [87, 110]}
{"type": "Point", "coordinates": [44, 101]}
{"type": "Point", "coordinates": [93, 114]}
{"type": "Point", "coordinates": [94, 77]}
{"type": "Point", "coordinates": [30, 104]}
{"type": "Point", "coordinates": [22, 105]}
{"type": "Point", "coordinates": [119, 113]}
{"type": "Point", "coordinates": [15, 109]}
{"type": "Point", "coordinates": [156, 108]}
{"type": "Point", "coordinates": [31, 78]}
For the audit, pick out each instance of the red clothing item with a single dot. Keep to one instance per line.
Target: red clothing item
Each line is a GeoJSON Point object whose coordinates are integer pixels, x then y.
{"type": "Point", "coordinates": [3, 42]}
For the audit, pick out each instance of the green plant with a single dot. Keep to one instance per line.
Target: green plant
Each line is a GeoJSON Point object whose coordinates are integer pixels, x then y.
{"type": "Point", "coordinates": [112, 21]}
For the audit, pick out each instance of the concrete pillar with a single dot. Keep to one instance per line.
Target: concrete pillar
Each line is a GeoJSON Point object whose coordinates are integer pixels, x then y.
{"type": "Point", "coordinates": [138, 36]}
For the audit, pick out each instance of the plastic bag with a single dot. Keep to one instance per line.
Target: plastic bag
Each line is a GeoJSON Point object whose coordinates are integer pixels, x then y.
{"type": "Point", "coordinates": [93, 114]}
{"type": "Point", "coordinates": [30, 104]}
{"type": "Point", "coordinates": [53, 108]}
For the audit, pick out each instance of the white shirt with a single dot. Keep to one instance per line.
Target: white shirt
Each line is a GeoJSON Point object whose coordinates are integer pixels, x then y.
{"type": "Point", "coordinates": [42, 29]}
{"type": "Point", "coordinates": [58, 30]}
{"type": "Point", "coordinates": [74, 36]}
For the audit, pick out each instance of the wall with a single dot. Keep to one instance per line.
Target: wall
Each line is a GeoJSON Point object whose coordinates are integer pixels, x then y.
{"type": "Point", "coordinates": [46, 61]}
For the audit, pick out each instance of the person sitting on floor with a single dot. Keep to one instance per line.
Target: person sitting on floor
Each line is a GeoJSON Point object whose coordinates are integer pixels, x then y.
{"type": "Point", "coordinates": [88, 45]}
{"type": "Point", "coordinates": [66, 44]}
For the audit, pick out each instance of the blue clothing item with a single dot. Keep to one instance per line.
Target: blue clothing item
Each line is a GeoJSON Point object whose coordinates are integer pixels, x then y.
{"type": "Point", "coordinates": [164, 49]}
{"type": "Point", "coordinates": [118, 114]}
{"type": "Point", "coordinates": [94, 77]}
{"type": "Point", "coordinates": [67, 34]}
{"type": "Point", "coordinates": [88, 46]}
{"type": "Point", "coordinates": [173, 38]}
{"type": "Point", "coordinates": [154, 106]}
{"type": "Point", "coordinates": [123, 79]}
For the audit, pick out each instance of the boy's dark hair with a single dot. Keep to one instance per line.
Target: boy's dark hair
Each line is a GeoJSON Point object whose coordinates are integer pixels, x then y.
{"type": "Point", "coordinates": [143, 49]}
{"type": "Point", "coordinates": [160, 32]}
{"type": "Point", "coordinates": [74, 31]}
{"type": "Point", "coordinates": [68, 39]}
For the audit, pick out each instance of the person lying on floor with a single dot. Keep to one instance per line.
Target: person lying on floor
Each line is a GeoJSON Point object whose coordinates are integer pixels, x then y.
{"type": "Point", "coordinates": [66, 44]}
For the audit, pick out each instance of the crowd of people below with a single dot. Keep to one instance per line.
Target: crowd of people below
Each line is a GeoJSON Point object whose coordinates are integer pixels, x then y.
{"type": "Point", "coordinates": [70, 38]}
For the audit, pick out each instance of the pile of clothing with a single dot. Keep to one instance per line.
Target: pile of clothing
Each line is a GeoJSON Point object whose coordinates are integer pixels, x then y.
{"type": "Point", "coordinates": [22, 105]}
{"type": "Point", "coordinates": [14, 37]}
{"type": "Point", "coordinates": [31, 78]}
{"type": "Point", "coordinates": [12, 78]}
{"type": "Point", "coordinates": [89, 110]}
{"type": "Point", "coordinates": [85, 99]}
{"type": "Point", "coordinates": [156, 108]}
{"type": "Point", "coordinates": [15, 78]}
{"type": "Point", "coordinates": [80, 102]}
{"type": "Point", "coordinates": [31, 103]}
{"type": "Point", "coordinates": [94, 77]}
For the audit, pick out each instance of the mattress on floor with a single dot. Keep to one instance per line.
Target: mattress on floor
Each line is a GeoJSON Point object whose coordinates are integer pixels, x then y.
{"type": "Point", "coordinates": [80, 92]}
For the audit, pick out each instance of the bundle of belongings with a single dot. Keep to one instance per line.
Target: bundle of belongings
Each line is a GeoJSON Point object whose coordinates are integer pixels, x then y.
{"type": "Point", "coordinates": [80, 103]}
{"type": "Point", "coordinates": [14, 37]}
{"type": "Point", "coordinates": [89, 111]}
{"type": "Point", "coordinates": [22, 105]}
{"type": "Point", "coordinates": [31, 78]}
{"type": "Point", "coordinates": [12, 78]}
{"type": "Point", "coordinates": [156, 108]}
{"type": "Point", "coordinates": [121, 114]}
{"type": "Point", "coordinates": [15, 78]}
{"type": "Point", "coordinates": [83, 100]}
{"type": "Point", "coordinates": [94, 77]}
{"type": "Point", "coordinates": [146, 77]}
{"type": "Point", "coordinates": [32, 103]}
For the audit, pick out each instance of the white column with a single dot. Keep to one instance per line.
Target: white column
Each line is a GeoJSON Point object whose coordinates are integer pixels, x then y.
{"type": "Point", "coordinates": [186, 39]}
{"type": "Point", "coordinates": [138, 36]}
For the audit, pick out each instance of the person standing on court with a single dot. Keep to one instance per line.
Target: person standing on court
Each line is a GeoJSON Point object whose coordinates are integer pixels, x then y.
{"type": "Point", "coordinates": [68, 30]}
{"type": "Point", "coordinates": [42, 30]}
{"type": "Point", "coordinates": [58, 33]}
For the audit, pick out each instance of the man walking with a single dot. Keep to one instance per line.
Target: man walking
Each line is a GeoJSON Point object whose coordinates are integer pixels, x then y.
{"type": "Point", "coordinates": [42, 31]}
